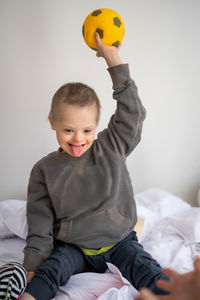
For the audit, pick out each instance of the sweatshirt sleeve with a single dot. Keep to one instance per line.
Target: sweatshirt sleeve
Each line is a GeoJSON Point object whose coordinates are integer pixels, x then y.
{"type": "Point", "coordinates": [39, 243]}
{"type": "Point", "coordinates": [125, 126]}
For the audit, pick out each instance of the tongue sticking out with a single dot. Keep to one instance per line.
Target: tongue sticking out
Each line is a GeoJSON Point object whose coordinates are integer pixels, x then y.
{"type": "Point", "coordinates": [77, 150]}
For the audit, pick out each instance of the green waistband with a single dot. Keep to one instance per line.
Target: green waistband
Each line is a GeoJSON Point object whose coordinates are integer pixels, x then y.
{"type": "Point", "coordinates": [96, 252]}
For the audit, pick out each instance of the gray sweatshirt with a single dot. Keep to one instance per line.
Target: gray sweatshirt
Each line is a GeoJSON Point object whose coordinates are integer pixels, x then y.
{"type": "Point", "coordinates": [87, 201]}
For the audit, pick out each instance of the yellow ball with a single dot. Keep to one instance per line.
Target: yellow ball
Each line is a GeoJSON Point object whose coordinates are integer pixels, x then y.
{"type": "Point", "coordinates": [108, 23]}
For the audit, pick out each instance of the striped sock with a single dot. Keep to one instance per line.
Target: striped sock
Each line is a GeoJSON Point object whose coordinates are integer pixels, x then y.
{"type": "Point", "coordinates": [13, 280]}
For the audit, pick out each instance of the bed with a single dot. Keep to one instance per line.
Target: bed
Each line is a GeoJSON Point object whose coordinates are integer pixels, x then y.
{"type": "Point", "coordinates": [168, 228]}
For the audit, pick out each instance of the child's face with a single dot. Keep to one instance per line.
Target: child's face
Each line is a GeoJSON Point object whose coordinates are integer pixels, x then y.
{"type": "Point", "coordinates": [75, 128]}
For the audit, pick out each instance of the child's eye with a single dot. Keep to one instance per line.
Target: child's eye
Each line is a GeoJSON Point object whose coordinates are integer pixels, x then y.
{"type": "Point", "coordinates": [87, 130]}
{"type": "Point", "coordinates": [68, 130]}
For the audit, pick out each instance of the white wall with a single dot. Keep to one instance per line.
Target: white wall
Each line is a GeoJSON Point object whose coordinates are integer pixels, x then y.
{"type": "Point", "coordinates": [42, 48]}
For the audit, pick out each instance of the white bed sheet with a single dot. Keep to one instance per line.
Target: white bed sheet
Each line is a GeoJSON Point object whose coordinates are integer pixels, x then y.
{"type": "Point", "coordinates": [171, 234]}
{"type": "Point", "coordinates": [172, 229]}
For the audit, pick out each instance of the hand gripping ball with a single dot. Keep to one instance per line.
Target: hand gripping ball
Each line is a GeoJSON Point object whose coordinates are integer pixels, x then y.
{"type": "Point", "coordinates": [108, 23]}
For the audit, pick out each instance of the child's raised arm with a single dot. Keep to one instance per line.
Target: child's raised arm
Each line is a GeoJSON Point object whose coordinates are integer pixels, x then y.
{"type": "Point", "coordinates": [124, 129]}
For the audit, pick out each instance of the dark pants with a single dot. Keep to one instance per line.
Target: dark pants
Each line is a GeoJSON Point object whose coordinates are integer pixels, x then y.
{"type": "Point", "coordinates": [66, 260]}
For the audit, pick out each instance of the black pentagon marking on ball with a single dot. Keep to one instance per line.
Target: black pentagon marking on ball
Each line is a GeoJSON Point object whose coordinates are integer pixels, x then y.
{"type": "Point", "coordinates": [117, 21]}
{"type": "Point", "coordinates": [96, 12]}
{"type": "Point", "coordinates": [83, 30]}
{"type": "Point", "coordinates": [115, 43]}
{"type": "Point", "coordinates": [100, 32]}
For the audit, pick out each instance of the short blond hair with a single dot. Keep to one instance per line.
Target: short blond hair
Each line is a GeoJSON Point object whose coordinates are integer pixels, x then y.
{"type": "Point", "coordinates": [74, 93]}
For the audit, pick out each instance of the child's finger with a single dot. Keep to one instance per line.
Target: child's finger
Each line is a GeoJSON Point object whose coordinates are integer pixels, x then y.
{"type": "Point", "coordinates": [97, 39]}
{"type": "Point", "coordinates": [30, 276]}
{"type": "Point", "coordinates": [119, 46]}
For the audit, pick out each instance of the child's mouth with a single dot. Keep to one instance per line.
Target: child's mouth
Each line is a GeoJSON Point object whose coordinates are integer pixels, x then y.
{"type": "Point", "coordinates": [77, 150]}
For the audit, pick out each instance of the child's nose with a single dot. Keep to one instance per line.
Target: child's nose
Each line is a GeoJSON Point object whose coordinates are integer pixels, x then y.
{"type": "Point", "coordinates": [77, 137]}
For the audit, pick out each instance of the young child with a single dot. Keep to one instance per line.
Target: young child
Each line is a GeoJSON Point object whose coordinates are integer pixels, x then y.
{"type": "Point", "coordinates": [81, 210]}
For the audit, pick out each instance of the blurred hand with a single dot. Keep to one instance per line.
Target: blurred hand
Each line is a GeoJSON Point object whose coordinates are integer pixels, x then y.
{"type": "Point", "coordinates": [181, 287]}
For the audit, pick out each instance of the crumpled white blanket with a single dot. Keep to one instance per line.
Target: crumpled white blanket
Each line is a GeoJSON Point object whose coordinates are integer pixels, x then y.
{"type": "Point", "coordinates": [172, 229]}
{"type": "Point", "coordinates": [92, 286]}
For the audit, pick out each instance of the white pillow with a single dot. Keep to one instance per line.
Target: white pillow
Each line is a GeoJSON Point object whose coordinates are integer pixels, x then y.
{"type": "Point", "coordinates": [13, 218]}
{"type": "Point", "coordinates": [4, 230]}
{"type": "Point", "coordinates": [157, 203]}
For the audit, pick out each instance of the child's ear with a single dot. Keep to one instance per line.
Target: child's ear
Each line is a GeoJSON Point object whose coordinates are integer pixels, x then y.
{"type": "Point", "coordinates": [51, 123]}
